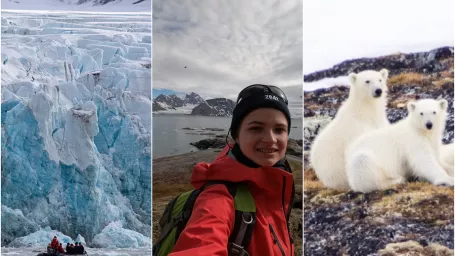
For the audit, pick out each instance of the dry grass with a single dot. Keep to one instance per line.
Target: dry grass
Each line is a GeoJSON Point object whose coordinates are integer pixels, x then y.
{"type": "Point", "coordinates": [413, 248]}
{"type": "Point", "coordinates": [447, 73]}
{"type": "Point", "coordinates": [418, 200]}
{"type": "Point", "coordinates": [311, 181]}
{"type": "Point", "coordinates": [160, 190]}
{"type": "Point", "coordinates": [399, 103]}
{"type": "Point", "coordinates": [445, 80]}
{"type": "Point", "coordinates": [407, 78]}
{"type": "Point", "coordinates": [297, 170]}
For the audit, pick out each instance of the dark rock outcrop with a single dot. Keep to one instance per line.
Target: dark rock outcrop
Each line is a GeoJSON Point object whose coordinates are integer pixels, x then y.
{"type": "Point", "coordinates": [209, 143]}
{"type": "Point", "coordinates": [293, 147]}
{"type": "Point", "coordinates": [157, 107]}
{"type": "Point", "coordinates": [204, 109]}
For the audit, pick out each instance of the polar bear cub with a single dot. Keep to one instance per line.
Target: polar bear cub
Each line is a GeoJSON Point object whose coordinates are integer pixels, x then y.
{"type": "Point", "coordinates": [388, 156]}
{"type": "Point", "coordinates": [363, 111]}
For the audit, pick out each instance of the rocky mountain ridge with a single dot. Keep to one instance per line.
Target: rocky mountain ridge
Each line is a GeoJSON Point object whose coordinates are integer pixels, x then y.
{"type": "Point", "coordinates": [214, 107]}
{"type": "Point", "coordinates": [434, 61]}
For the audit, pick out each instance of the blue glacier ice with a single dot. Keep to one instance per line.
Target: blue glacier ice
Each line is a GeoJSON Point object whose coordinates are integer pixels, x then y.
{"type": "Point", "coordinates": [75, 152]}
{"type": "Point", "coordinates": [41, 238]}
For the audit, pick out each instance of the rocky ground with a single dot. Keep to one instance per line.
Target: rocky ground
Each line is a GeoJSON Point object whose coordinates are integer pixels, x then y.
{"type": "Point", "coordinates": [410, 219]}
{"type": "Point", "coordinates": [172, 175]}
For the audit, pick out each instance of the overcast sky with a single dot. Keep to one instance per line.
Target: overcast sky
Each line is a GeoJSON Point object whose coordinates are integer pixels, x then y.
{"type": "Point", "coordinates": [335, 30]}
{"type": "Point", "coordinates": [227, 45]}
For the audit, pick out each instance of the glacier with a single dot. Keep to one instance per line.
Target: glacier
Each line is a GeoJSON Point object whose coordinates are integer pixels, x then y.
{"type": "Point", "coordinates": [76, 128]}
{"type": "Point", "coordinates": [115, 236]}
{"type": "Point", "coordinates": [41, 238]}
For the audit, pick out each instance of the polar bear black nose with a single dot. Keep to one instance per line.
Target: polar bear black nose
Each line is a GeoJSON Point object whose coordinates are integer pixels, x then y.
{"type": "Point", "coordinates": [429, 125]}
{"type": "Point", "coordinates": [378, 92]}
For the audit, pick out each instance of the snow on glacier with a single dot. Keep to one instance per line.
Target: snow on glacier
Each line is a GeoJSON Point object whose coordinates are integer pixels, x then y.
{"type": "Point", "coordinates": [73, 5]}
{"type": "Point", "coordinates": [76, 126]}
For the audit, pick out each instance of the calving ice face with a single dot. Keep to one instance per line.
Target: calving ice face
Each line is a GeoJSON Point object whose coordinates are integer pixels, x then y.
{"type": "Point", "coordinates": [76, 129]}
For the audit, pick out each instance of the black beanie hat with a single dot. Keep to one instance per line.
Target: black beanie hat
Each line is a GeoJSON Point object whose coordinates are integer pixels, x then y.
{"type": "Point", "coordinates": [263, 98]}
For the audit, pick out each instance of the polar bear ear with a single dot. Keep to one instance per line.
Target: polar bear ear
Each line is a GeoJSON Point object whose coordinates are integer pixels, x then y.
{"type": "Point", "coordinates": [384, 73]}
{"type": "Point", "coordinates": [352, 77]}
{"type": "Point", "coordinates": [411, 106]}
{"type": "Point", "coordinates": [443, 104]}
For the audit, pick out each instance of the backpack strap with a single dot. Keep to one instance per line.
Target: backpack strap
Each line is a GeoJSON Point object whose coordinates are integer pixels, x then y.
{"type": "Point", "coordinates": [245, 219]}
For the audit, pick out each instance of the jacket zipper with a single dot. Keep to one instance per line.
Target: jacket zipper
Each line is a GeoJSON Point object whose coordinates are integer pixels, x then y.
{"type": "Point", "coordinates": [275, 239]}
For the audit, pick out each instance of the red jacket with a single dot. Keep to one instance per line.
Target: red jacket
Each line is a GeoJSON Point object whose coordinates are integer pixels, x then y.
{"type": "Point", "coordinates": [60, 249]}
{"type": "Point", "coordinates": [54, 243]}
{"type": "Point", "coordinates": [212, 221]}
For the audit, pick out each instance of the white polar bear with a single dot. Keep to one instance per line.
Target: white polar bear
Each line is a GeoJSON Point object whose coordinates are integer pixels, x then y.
{"type": "Point", "coordinates": [411, 147]}
{"type": "Point", "coordinates": [363, 111]}
{"type": "Point", "coordinates": [447, 158]}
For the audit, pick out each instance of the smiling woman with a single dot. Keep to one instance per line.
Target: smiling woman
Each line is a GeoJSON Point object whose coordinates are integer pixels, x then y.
{"type": "Point", "coordinates": [227, 104]}
{"type": "Point", "coordinates": [243, 199]}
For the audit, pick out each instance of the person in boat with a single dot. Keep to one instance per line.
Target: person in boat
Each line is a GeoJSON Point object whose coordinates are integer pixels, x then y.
{"type": "Point", "coordinates": [60, 248]}
{"type": "Point", "coordinates": [82, 248]}
{"type": "Point", "coordinates": [77, 248]}
{"type": "Point", "coordinates": [71, 249]}
{"type": "Point", "coordinates": [54, 243]}
{"type": "Point", "coordinates": [67, 248]}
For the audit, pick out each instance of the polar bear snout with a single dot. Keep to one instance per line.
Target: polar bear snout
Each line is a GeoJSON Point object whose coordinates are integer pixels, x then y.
{"type": "Point", "coordinates": [429, 125]}
{"type": "Point", "coordinates": [377, 93]}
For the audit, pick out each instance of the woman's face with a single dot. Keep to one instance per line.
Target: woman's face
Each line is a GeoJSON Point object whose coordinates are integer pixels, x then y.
{"type": "Point", "coordinates": [263, 136]}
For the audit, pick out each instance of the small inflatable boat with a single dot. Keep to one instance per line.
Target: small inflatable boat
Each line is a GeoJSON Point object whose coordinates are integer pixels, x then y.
{"type": "Point", "coordinates": [53, 252]}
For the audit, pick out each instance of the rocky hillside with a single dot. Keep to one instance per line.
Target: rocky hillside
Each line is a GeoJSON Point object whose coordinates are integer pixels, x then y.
{"type": "Point", "coordinates": [169, 101]}
{"type": "Point", "coordinates": [410, 219]}
{"type": "Point", "coordinates": [430, 62]}
{"type": "Point", "coordinates": [215, 107]}
{"type": "Point", "coordinates": [173, 101]}
{"type": "Point", "coordinates": [194, 104]}
{"type": "Point", "coordinates": [193, 98]}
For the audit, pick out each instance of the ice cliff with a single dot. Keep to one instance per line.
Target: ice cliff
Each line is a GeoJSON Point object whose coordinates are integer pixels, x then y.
{"type": "Point", "coordinates": [75, 131]}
